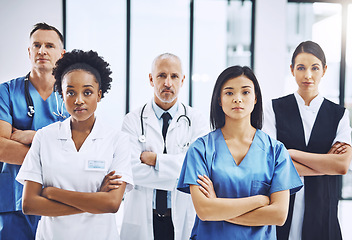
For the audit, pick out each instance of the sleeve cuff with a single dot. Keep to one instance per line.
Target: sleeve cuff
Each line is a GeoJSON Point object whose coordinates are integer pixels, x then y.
{"type": "Point", "coordinates": [29, 176]}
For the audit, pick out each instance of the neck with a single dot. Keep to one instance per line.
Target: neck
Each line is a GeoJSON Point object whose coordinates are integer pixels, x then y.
{"type": "Point", "coordinates": [43, 82]}
{"type": "Point", "coordinates": [237, 128]}
{"type": "Point", "coordinates": [307, 96]}
{"type": "Point", "coordinates": [83, 126]}
{"type": "Point", "coordinates": [164, 105]}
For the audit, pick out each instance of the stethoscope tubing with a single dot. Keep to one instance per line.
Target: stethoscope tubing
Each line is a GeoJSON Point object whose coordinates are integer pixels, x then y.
{"type": "Point", "coordinates": [142, 137]}
{"type": "Point", "coordinates": [29, 100]}
{"type": "Point", "coordinates": [30, 104]}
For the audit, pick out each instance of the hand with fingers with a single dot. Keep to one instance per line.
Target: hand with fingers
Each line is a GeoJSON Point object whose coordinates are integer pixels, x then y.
{"type": "Point", "coordinates": [206, 186]}
{"type": "Point", "coordinates": [110, 182]}
{"type": "Point", "coordinates": [148, 157]}
{"type": "Point", "coordinates": [338, 148]}
{"type": "Point", "coordinates": [22, 136]}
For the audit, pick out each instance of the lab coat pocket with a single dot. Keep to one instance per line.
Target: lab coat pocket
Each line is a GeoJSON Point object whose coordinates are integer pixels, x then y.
{"type": "Point", "coordinates": [259, 188]}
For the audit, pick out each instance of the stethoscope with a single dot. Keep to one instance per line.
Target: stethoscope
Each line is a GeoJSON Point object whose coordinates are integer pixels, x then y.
{"type": "Point", "coordinates": [30, 104]}
{"type": "Point", "coordinates": [142, 137]}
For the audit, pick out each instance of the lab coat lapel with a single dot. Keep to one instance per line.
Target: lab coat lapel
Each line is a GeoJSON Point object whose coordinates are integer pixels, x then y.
{"type": "Point", "coordinates": [65, 135]}
{"type": "Point", "coordinates": [180, 111]}
{"type": "Point", "coordinates": [151, 120]}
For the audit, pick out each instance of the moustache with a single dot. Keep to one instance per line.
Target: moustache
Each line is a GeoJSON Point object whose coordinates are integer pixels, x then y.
{"type": "Point", "coordinates": [167, 89]}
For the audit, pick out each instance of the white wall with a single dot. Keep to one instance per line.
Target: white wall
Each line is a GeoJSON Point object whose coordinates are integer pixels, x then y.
{"type": "Point", "coordinates": [270, 47]}
{"type": "Point", "coordinates": [17, 18]}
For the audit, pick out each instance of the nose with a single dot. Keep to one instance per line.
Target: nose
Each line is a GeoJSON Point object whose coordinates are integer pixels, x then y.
{"type": "Point", "coordinates": [237, 99]}
{"type": "Point", "coordinates": [42, 49]}
{"type": "Point", "coordinates": [168, 82]}
{"type": "Point", "coordinates": [308, 75]}
{"type": "Point", "coordinates": [79, 99]}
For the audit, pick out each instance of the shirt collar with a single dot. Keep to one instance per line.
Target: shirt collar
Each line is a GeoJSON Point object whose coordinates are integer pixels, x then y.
{"type": "Point", "coordinates": [315, 103]}
{"type": "Point", "coordinates": [65, 129]}
{"type": "Point", "coordinates": [159, 111]}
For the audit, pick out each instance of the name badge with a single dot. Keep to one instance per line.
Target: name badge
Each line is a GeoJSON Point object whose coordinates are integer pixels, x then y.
{"type": "Point", "coordinates": [95, 165]}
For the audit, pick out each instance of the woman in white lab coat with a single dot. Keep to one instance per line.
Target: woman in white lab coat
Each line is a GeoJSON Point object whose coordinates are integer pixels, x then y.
{"type": "Point", "coordinates": [68, 161]}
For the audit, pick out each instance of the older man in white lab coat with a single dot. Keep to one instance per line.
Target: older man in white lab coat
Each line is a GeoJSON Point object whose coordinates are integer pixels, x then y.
{"type": "Point", "coordinates": [161, 132]}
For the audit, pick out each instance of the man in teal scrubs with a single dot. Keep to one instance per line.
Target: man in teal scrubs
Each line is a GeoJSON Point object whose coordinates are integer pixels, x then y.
{"type": "Point", "coordinates": [21, 115]}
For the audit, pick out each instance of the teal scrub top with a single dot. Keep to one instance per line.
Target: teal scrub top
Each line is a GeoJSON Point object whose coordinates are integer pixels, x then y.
{"type": "Point", "coordinates": [266, 168]}
{"type": "Point", "coordinates": [13, 109]}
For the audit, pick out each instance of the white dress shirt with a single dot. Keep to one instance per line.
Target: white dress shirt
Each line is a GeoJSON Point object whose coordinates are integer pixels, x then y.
{"type": "Point", "coordinates": [308, 116]}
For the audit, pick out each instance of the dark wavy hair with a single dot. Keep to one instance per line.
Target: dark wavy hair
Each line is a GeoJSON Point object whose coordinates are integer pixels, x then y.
{"type": "Point", "coordinates": [77, 57]}
{"type": "Point", "coordinates": [217, 115]}
{"type": "Point", "coordinates": [45, 26]}
{"type": "Point", "coordinates": [309, 47]}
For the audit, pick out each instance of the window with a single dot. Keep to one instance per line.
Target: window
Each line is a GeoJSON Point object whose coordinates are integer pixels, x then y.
{"type": "Point", "coordinates": [101, 26]}
{"type": "Point", "coordinates": [157, 26]}
{"type": "Point", "coordinates": [222, 38]}
{"type": "Point", "coordinates": [347, 180]}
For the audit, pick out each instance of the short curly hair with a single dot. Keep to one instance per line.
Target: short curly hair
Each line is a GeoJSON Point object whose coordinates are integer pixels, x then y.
{"type": "Point", "coordinates": [77, 57]}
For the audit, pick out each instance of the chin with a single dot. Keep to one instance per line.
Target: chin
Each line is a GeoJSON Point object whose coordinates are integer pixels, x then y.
{"type": "Point", "coordinates": [166, 100]}
{"type": "Point", "coordinates": [81, 118]}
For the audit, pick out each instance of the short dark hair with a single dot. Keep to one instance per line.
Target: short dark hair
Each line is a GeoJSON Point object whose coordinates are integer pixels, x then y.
{"type": "Point", "coordinates": [217, 115]}
{"type": "Point", "coordinates": [309, 47]}
{"type": "Point", "coordinates": [45, 26]}
{"type": "Point", "coordinates": [80, 58]}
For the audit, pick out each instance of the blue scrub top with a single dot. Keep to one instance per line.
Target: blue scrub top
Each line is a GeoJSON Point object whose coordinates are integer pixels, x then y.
{"type": "Point", "coordinates": [13, 109]}
{"type": "Point", "coordinates": [266, 168]}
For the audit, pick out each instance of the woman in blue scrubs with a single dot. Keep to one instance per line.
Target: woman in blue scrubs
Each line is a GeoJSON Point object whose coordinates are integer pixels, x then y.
{"type": "Point", "coordinates": [239, 178]}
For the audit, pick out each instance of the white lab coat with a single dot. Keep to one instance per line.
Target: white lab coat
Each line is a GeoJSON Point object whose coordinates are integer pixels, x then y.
{"type": "Point", "coordinates": [138, 217]}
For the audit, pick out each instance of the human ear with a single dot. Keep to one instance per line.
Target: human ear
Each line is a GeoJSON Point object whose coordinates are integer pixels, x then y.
{"type": "Point", "coordinates": [219, 101]}
{"type": "Point", "coordinates": [292, 72]}
{"type": "Point", "coordinates": [183, 78]}
{"type": "Point", "coordinates": [151, 80]}
{"type": "Point", "coordinates": [324, 70]}
{"type": "Point", "coordinates": [63, 52]}
{"type": "Point", "coordinates": [100, 93]}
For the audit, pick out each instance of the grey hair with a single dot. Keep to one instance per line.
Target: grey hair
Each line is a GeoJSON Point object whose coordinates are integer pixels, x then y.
{"type": "Point", "coordinates": [166, 56]}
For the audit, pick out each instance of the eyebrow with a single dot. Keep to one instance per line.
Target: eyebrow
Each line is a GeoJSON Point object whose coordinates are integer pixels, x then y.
{"type": "Point", "coordinates": [88, 85]}
{"type": "Point", "coordinates": [226, 88]}
{"type": "Point", "coordinates": [172, 73]}
{"type": "Point", "coordinates": [314, 64]}
{"type": "Point", "coordinates": [44, 43]}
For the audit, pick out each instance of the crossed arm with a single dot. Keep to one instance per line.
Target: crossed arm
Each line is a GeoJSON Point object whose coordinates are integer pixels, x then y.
{"type": "Point", "coordinates": [256, 210]}
{"type": "Point", "coordinates": [14, 143]}
{"type": "Point", "coordinates": [335, 162]}
{"type": "Point", "coordinates": [51, 201]}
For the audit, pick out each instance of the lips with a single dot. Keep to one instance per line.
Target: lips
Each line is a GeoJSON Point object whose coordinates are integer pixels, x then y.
{"type": "Point", "coordinates": [167, 91]}
{"type": "Point", "coordinates": [42, 59]}
{"type": "Point", "coordinates": [79, 109]}
{"type": "Point", "coordinates": [237, 108]}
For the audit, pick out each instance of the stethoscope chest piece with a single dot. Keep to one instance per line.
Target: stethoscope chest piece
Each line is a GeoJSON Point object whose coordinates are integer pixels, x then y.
{"type": "Point", "coordinates": [142, 138]}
